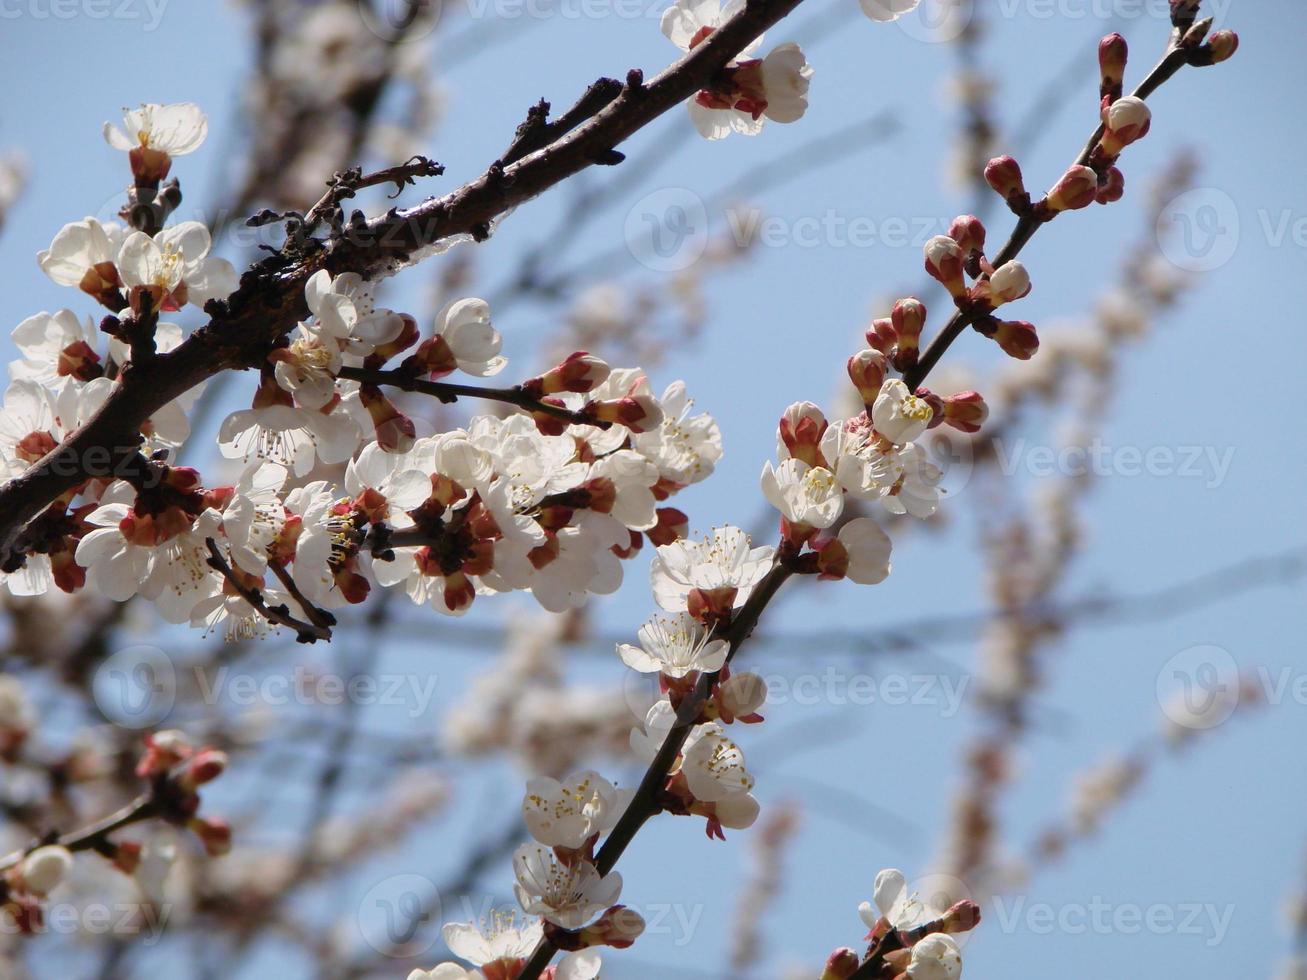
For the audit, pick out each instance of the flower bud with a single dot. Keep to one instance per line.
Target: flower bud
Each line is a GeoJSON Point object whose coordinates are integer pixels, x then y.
{"type": "Point", "coordinates": [673, 525]}
{"type": "Point", "coordinates": [578, 372]}
{"type": "Point", "coordinates": [966, 411]}
{"type": "Point", "coordinates": [969, 232]}
{"type": "Point", "coordinates": [1017, 338]}
{"type": "Point", "coordinates": [867, 372]}
{"type": "Point", "coordinates": [639, 413]}
{"type": "Point", "coordinates": [803, 425]}
{"type": "Point", "coordinates": [1112, 53]}
{"type": "Point", "coordinates": [45, 868]}
{"type": "Point", "coordinates": [909, 318]}
{"type": "Point", "coordinates": [962, 916]}
{"type": "Point", "coordinates": [1075, 190]}
{"type": "Point", "coordinates": [214, 834]}
{"type": "Point", "coordinates": [204, 767]}
{"type": "Point", "coordinates": [1219, 47]}
{"type": "Point", "coordinates": [394, 430]}
{"type": "Point", "coordinates": [619, 927]}
{"type": "Point", "coordinates": [841, 965]}
{"type": "Point", "coordinates": [881, 336]}
{"type": "Point", "coordinates": [1009, 282]}
{"type": "Point", "coordinates": [1125, 120]}
{"type": "Point", "coordinates": [1197, 34]}
{"type": "Point", "coordinates": [1004, 175]}
{"type": "Point", "coordinates": [1112, 188]}
{"type": "Point", "coordinates": [944, 260]}
{"type": "Point", "coordinates": [163, 750]}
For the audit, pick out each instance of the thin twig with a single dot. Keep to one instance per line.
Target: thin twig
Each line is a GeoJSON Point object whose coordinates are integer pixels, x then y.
{"type": "Point", "coordinates": [305, 632]}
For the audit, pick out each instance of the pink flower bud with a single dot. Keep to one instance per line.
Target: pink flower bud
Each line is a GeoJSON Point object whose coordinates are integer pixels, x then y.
{"type": "Point", "coordinates": [803, 425]}
{"type": "Point", "coordinates": [204, 767]}
{"type": "Point", "coordinates": [1075, 190]}
{"type": "Point", "coordinates": [962, 916]}
{"type": "Point", "coordinates": [867, 372]}
{"type": "Point", "coordinates": [1008, 283]}
{"type": "Point", "coordinates": [1220, 47]}
{"type": "Point", "coordinates": [1125, 120]}
{"type": "Point", "coordinates": [1112, 53]}
{"type": "Point", "coordinates": [1004, 175]}
{"type": "Point", "coordinates": [163, 750]}
{"type": "Point", "coordinates": [1017, 338]}
{"type": "Point", "coordinates": [966, 411]}
{"type": "Point", "coordinates": [214, 834]}
{"type": "Point", "coordinates": [639, 413]}
{"type": "Point", "coordinates": [909, 318]}
{"type": "Point", "coordinates": [944, 260]}
{"type": "Point", "coordinates": [841, 965]}
{"type": "Point", "coordinates": [579, 372]}
{"type": "Point", "coordinates": [882, 336]}
{"type": "Point", "coordinates": [969, 232]}
{"type": "Point", "coordinates": [1112, 188]}
{"type": "Point", "coordinates": [394, 430]}
{"type": "Point", "coordinates": [618, 927]}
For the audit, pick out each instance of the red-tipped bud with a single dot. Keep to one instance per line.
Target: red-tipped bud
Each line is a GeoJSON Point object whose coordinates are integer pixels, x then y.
{"type": "Point", "coordinates": [1004, 175]}
{"type": "Point", "coordinates": [579, 372]}
{"type": "Point", "coordinates": [214, 834]}
{"type": "Point", "coordinates": [1112, 188]}
{"type": "Point", "coordinates": [944, 260]}
{"type": "Point", "coordinates": [1074, 191]}
{"type": "Point", "coordinates": [204, 767]}
{"type": "Point", "coordinates": [394, 429]}
{"type": "Point", "coordinates": [881, 335]}
{"type": "Point", "coordinates": [962, 916]}
{"type": "Point", "coordinates": [1219, 47]}
{"type": "Point", "coordinates": [908, 318]}
{"type": "Point", "coordinates": [163, 750]}
{"type": "Point", "coordinates": [841, 965]}
{"type": "Point", "coordinates": [433, 358]}
{"type": "Point", "coordinates": [966, 411]}
{"type": "Point", "coordinates": [803, 425]}
{"type": "Point", "coordinates": [1017, 338]}
{"type": "Point", "coordinates": [1112, 53]}
{"type": "Point", "coordinates": [618, 927]}
{"type": "Point", "coordinates": [867, 372]}
{"type": "Point", "coordinates": [639, 413]}
{"type": "Point", "coordinates": [969, 232]}
{"type": "Point", "coordinates": [673, 525]}
{"type": "Point", "coordinates": [1125, 120]}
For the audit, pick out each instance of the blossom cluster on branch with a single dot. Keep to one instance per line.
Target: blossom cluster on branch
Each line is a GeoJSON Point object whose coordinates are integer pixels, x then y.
{"type": "Point", "coordinates": [551, 496]}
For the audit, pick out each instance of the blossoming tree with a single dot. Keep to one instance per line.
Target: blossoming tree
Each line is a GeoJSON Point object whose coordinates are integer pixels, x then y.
{"type": "Point", "coordinates": [339, 496]}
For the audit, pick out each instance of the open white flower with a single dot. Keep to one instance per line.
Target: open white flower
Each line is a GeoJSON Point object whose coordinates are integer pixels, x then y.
{"type": "Point", "coordinates": [567, 813]}
{"type": "Point", "coordinates": [45, 868]}
{"type": "Point", "coordinates": [175, 129]}
{"type": "Point", "coordinates": [674, 646]}
{"type": "Point", "coordinates": [685, 447]}
{"type": "Point", "coordinates": [568, 895]}
{"type": "Point", "coordinates": [713, 765]}
{"type": "Point", "coordinates": [898, 414]}
{"type": "Point", "coordinates": [902, 908]}
{"type": "Point", "coordinates": [785, 78]}
{"type": "Point", "coordinates": [177, 265]}
{"type": "Point", "coordinates": [803, 494]}
{"type": "Point", "coordinates": [724, 560]}
{"type": "Point", "coordinates": [84, 255]}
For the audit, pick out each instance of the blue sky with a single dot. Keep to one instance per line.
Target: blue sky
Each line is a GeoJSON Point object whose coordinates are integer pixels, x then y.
{"type": "Point", "coordinates": [1214, 827]}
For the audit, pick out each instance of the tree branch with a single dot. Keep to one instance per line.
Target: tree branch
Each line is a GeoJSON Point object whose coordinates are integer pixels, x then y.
{"type": "Point", "coordinates": [270, 300]}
